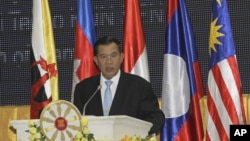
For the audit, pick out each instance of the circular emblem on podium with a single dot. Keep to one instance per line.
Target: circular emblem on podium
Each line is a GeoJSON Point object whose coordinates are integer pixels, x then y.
{"type": "Point", "coordinates": [60, 120]}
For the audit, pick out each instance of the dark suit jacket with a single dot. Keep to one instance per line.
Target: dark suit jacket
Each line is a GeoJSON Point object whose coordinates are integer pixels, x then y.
{"type": "Point", "coordinates": [134, 97]}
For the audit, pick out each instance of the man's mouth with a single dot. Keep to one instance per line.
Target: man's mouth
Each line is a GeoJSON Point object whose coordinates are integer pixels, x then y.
{"type": "Point", "coordinates": [109, 69]}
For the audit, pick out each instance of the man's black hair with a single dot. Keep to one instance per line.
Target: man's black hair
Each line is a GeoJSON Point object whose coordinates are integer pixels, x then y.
{"type": "Point", "coordinates": [105, 41]}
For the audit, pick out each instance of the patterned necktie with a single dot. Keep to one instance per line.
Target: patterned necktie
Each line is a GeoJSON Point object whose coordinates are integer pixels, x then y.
{"type": "Point", "coordinates": [107, 98]}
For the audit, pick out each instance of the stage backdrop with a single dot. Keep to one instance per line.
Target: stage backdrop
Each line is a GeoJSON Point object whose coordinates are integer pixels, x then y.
{"type": "Point", "coordinates": [15, 40]}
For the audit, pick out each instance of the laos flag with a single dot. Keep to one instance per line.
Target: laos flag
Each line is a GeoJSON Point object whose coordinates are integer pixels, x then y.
{"type": "Point", "coordinates": [182, 86]}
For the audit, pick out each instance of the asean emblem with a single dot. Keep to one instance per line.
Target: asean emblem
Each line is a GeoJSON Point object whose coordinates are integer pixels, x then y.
{"type": "Point", "coordinates": [60, 120]}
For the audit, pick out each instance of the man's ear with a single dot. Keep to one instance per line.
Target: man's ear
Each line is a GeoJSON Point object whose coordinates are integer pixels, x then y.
{"type": "Point", "coordinates": [95, 60]}
{"type": "Point", "coordinates": [122, 57]}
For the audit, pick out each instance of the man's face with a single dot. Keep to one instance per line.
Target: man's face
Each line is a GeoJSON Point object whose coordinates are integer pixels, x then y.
{"type": "Point", "coordinates": [108, 60]}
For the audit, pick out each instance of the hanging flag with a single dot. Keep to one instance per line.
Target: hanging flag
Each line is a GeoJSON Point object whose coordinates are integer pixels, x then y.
{"type": "Point", "coordinates": [43, 58]}
{"type": "Point", "coordinates": [182, 86]}
{"type": "Point", "coordinates": [85, 38]}
{"type": "Point", "coordinates": [224, 98]}
{"type": "Point", "coordinates": [135, 53]}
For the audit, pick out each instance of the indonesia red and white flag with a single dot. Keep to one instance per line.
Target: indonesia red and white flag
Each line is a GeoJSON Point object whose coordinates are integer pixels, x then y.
{"type": "Point", "coordinates": [224, 98]}
{"type": "Point", "coordinates": [43, 59]}
{"type": "Point", "coordinates": [135, 60]}
{"type": "Point", "coordinates": [85, 38]}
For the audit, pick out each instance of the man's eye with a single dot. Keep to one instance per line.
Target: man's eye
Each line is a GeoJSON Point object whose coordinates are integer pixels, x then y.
{"type": "Point", "coordinates": [114, 55]}
{"type": "Point", "coordinates": [103, 56]}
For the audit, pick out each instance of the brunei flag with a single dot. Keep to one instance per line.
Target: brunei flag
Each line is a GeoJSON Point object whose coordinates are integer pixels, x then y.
{"type": "Point", "coordinates": [135, 53]}
{"type": "Point", "coordinates": [43, 58]}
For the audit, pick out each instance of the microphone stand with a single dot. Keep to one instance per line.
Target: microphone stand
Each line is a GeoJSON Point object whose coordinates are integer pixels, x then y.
{"type": "Point", "coordinates": [85, 105]}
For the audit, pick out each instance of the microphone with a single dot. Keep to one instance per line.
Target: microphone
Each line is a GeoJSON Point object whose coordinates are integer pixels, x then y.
{"type": "Point", "coordinates": [85, 105]}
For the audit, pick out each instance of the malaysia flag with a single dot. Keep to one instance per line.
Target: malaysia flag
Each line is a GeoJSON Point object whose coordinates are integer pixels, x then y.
{"type": "Point", "coordinates": [135, 53]}
{"type": "Point", "coordinates": [224, 98]}
{"type": "Point", "coordinates": [182, 84]}
{"type": "Point", "coordinates": [85, 38]}
{"type": "Point", "coordinates": [43, 57]}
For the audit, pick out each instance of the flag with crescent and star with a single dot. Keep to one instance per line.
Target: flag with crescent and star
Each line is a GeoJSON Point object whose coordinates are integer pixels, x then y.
{"type": "Point", "coordinates": [224, 98]}
{"type": "Point", "coordinates": [43, 60]}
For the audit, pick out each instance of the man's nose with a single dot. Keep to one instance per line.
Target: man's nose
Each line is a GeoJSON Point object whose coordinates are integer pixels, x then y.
{"type": "Point", "coordinates": [109, 59]}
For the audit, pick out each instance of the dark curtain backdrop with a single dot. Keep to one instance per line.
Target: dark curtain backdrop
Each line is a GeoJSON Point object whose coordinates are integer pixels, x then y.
{"type": "Point", "coordinates": [15, 40]}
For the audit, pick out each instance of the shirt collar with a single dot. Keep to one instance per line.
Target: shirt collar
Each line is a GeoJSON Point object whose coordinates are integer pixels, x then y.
{"type": "Point", "coordinates": [115, 79]}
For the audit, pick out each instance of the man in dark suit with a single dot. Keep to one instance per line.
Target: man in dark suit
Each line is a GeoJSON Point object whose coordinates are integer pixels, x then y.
{"type": "Point", "coordinates": [131, 94]}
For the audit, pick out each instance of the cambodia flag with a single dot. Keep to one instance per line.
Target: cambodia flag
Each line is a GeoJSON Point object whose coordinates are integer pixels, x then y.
{"type": "Point", "coordinates": [43, 57]}
{"type": "Point", "coordinates": [182, 84]}
{"type": "Point", "coordinates": [135, 53]}
{"type": "Point", "coordinates": [85, 38]}
{"type": "Point", "coordinates": [224, 98]}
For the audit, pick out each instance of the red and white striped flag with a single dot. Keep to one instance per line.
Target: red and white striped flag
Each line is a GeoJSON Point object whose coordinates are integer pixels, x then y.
{"type": "Point", "coordinates": [224, 98]}
{"type": "Point", "coordinates": [43, 57]}
{"type": "Point", "coordinates": [84, 65]}
{"type": "Point", "coordinates": [135, 53]}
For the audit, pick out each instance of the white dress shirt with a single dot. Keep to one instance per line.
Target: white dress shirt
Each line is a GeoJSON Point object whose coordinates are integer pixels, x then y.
{"type": "Point", "coordinates": [113, 86]}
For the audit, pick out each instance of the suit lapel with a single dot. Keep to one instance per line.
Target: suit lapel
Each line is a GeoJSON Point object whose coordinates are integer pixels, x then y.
{"type": "Point", "coordinates": [119, 94]}
{"type": "Point", "coordinates": [96, 102]}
